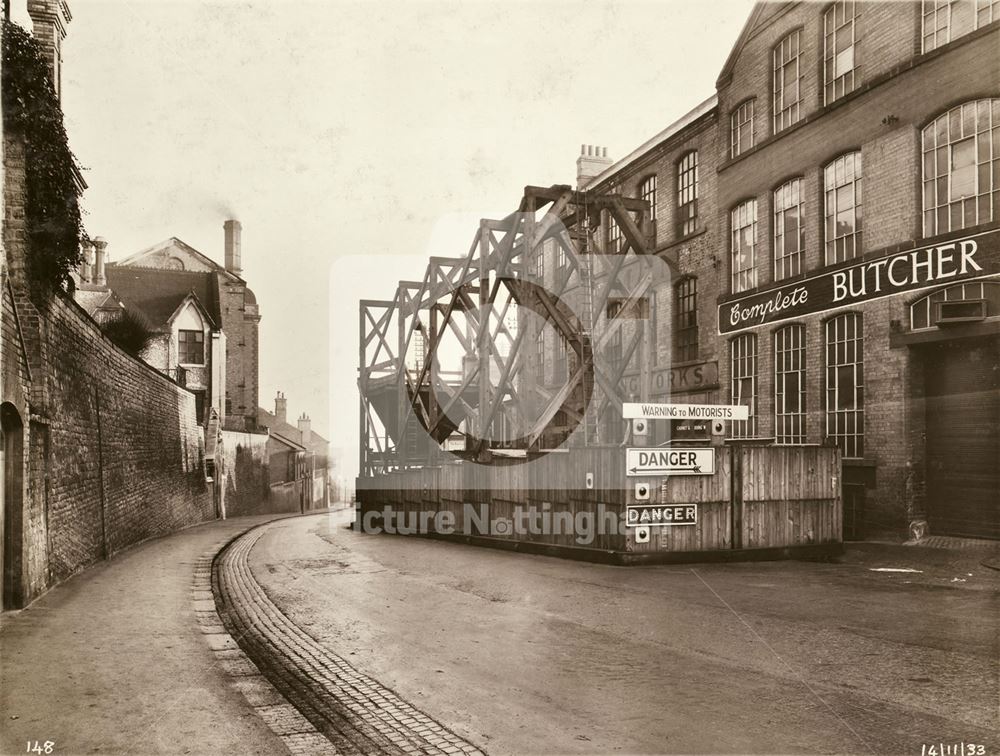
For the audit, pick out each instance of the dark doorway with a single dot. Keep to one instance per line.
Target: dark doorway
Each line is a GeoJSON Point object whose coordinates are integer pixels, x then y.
{"type": "Point", "coordinates": [962, 385]}
{"type": "Point", "coordinates": [13, 504]}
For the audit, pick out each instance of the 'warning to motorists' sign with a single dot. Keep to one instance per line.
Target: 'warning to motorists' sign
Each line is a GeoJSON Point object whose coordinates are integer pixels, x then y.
{"type": "Point", "coordinates": [633, 410]}
{"type": "Point", "coordinates": [647, 515]}
{"type": "Point", "coordinates": [654, 461]}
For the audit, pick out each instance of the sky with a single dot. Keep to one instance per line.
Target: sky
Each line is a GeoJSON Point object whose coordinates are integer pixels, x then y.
{"type": "Point", "coordinates": [353, 140]}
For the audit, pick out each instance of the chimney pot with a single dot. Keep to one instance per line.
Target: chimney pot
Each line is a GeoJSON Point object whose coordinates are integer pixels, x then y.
{"type": "Point", "coordinates": [305, 428]}
{"type": "Point", "coordinates": [590, 164]}
{"type": "Point", "coordinates": [233, 242]}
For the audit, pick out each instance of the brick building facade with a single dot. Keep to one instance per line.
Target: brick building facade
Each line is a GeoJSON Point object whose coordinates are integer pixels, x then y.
{"type": "Point", "coordinates": [847, 184]}
{"type": "Point", "coordinates": [158, 280]}
{"type": "Point", "coordinates": [99, 450]}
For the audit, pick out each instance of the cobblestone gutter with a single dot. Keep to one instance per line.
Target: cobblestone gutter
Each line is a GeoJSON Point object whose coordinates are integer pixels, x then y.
{"type": "Point", "coordinates": [356, 713]}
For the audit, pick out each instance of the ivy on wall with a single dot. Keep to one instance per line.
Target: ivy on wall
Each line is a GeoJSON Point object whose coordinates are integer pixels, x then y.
{"type": "Point", "coordinates": [53, 221]}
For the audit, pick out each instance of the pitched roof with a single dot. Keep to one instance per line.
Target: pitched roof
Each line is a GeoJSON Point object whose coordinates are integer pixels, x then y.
{"type": "Point", "coordinates": [174, 247]}
{"type": "Point", "coordinates": [270, 421]}
{"type": "Point", "coordinates": [287, 442]}
{"type": "Point", "coordinates": [761, 14]}
{"type": "Point", "coordinates": [158, 293]}
{"type": "Point", "coordinates": [93, 300]}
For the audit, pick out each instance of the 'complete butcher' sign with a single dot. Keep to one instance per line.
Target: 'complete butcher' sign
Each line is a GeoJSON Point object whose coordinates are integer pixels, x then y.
{"type": "Point", "coordinates": [961, 259]}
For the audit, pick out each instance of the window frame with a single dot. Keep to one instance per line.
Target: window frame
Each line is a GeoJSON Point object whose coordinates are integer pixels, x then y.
{"type": "Point", "coordinates": [743, 279]}
{"type": "Point", "coordinates": [745, 108]}
{"type": "Point", "coordinates": [614, 235]}
{"type": "Point", "coordinates": [843, 84]}
{"type": "Point", "coordinates": [976, 120]}
{"type": "Point", "coordinates": [788, 265]}
{"type": "Point", "coordinates": [741, 354]}
{"type": "Point", "coordinates": [921, 310]}
{"type": "Point", "coordinates": [990, 9]}
{"type": "Point", "coordinates": [789, 347]}
{"type": "Point", "coordinates": [686, 346]}
{"type": "Point", "coordinates": [845, 425]}
{"type": "Point", "coordinates": [856, 236]}
{"type": "Point", "coordinates": [779, 62]}
{"type": "Point", "coordinates": [647, 191]}
{"type": "Point", "coordinates": [182, 350]}
{"type": "Point", "coordinates": [687, 194]}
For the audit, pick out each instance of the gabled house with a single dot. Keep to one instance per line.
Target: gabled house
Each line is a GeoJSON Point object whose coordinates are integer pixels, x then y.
{"type": "Point", "coordinates": [315, 447]}
{"type": "Point", "coordinates": [205, 316]}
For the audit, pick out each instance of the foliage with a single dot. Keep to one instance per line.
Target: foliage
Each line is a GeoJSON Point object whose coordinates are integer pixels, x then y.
{"type": "Point", "coordinates": [130, 330]}
{"type": "Point", "coordinates": [53, 221]}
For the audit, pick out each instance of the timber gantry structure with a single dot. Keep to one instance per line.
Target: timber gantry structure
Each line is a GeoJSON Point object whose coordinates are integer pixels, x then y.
{"type": "Point", "coordinates": [451, 364]}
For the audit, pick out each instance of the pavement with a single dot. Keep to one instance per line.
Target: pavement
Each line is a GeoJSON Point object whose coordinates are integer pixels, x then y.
{"type": "Point", "coordinates": [114, 661]}
{"type": "Point", "coordinates": [405, 645]}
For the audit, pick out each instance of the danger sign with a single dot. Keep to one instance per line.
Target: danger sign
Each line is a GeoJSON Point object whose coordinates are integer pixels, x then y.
{"type": "Point", "coordinates": [646, 461]}
{"type": "Point", "coordinates": [647, 515]}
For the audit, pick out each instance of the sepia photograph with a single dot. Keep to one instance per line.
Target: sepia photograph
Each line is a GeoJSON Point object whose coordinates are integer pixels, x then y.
{"type": "Point", "coordinates": [500, 377]}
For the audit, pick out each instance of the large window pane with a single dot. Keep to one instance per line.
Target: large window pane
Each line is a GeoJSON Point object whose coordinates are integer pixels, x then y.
{"type": "Point", "coordinates": [961, 166]}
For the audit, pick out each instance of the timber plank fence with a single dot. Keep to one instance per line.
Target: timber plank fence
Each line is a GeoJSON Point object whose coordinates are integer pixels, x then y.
{"type": "Point", "coordinates": [774, 499]}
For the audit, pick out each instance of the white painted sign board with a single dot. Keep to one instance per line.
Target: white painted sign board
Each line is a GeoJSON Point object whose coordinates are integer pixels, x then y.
{"type": "Point", "coordinates": [632, 410]}
{"type": "Point", "coordinates": [661, 461]}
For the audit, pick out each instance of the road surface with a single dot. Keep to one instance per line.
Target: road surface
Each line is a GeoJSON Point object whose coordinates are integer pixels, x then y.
{"type": "Point", "coordinates": [529, 654]}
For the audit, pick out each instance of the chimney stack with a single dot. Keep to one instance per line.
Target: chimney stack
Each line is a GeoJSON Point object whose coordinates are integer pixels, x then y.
{"type": "Point", "coordinates": [234, 252]}
{"type": "Point", "coordinates": [280, 407]}
{"type": "Point", "coordinates": [100, 250]}
{"type": "Point", "coordinates": [48, 27]}
{"type": "Point", "coordinates": [592, 162]}
{"type": "Point", "coordinates": [85, 266]}
{"type": "Point", "coordinates": [305, 428]}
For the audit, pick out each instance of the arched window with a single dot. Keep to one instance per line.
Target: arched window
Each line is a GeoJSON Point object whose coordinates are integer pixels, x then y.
{"type": "Point", "coordinates": [840, 60]}
{"type": "Point", "coordinates": [961, 167]}
{"type": "Point", "coordinates": [945, 20]}
{"type": "Point", "coordinates": [925, 312]}
{"type": "Point", "coordinates": [687, 193]}
{"type": "Point", "coordinates": [741, 128]}
{"type": "Point", "coordinates": [743, 243]}
{"type": "Point", "coordinates": [790, 384]}
{"type": "Point", "coordinates": [842, 184]}
{"type": "Point", "coordinates": [787, 93]}
{"type": "Point", "coordinates": [789, 229]}
{"type": "Point", "coordinates": [845, 383]}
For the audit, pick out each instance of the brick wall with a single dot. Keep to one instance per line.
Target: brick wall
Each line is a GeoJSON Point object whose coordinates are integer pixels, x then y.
{"type": "Point", "coordinates": [240, 323]}
{"type": "Point", "coordinates": [883, 119]}
{"type": "Point", "coordinates": [113, 451]}
{"type": "Point", "coordinates": [246, 466]}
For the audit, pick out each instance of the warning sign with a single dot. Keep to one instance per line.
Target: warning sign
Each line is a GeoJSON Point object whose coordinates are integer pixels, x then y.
{"type": "Point", "coordinates": [656, 461]}
{"type": "Point", "coordinates": [648, 515]}
{"type": "Point", "coordinates": [632, 410]}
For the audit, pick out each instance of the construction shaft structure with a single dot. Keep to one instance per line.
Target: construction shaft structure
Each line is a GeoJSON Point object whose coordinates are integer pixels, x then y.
{"type": "Point", "coordinates": [453, 366]}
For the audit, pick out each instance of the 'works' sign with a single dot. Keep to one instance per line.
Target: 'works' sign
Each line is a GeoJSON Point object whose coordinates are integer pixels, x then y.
{"type": "Point", "coordinates": [972, 257]}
